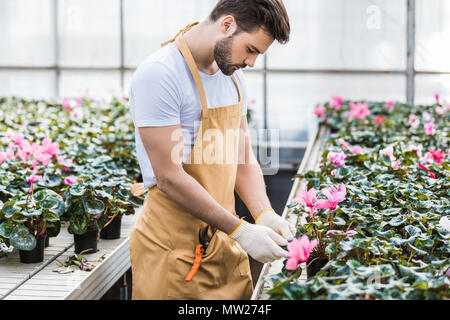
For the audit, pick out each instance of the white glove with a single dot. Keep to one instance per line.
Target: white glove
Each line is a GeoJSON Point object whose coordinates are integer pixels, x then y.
{"type": "Point", "coordinates": [276, 223]}
{"type": "Point", "coordinates": [261, 243]}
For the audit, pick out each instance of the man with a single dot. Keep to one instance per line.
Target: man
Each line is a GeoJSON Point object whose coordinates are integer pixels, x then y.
{"type": "Point", "coordinates": [185, 99]}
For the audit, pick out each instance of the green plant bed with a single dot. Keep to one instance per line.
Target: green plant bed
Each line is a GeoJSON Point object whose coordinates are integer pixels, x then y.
{"type": "Point", "coordinates": [388, 237]}
{"type": "Point", "coordinates": [72, 160]}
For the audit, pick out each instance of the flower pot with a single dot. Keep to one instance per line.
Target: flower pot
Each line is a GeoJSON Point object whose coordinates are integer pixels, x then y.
{"type": "Point", "coordinates": [112, 230]}
{"type": "Point", "coordinates": [86, 241]}
{"type": "Point", "coordinates": [47, 242]}
{"type": "Point", "coordinates": [314, 265]}
{"type": "Point", "coordinates": [36, 255]}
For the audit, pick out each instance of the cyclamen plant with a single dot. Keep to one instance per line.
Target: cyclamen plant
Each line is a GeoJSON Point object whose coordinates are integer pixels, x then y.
{"type": "Point", "coordinates": [43, 158]}
{"type": "Point", "coordinates": [390, 236]}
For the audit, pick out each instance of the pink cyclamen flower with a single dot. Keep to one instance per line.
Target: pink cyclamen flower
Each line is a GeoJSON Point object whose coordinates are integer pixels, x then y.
{"type": "Point", "coordinates": [395, 164]}
{"type": "Point", "coordinates": [49, 147]}
{"type": "Point", "coordinates": [388, 152]}
{"type": "Point", "coordinates": [18, 140]}
{"type": "Point", "coordinates": [443, 109]}
{"type": "Point", "coordinates": [417, 149]}
{"type": "Point", "coordinates": [319, 110]}
{"type": "Point", "coordinates": [334, 197]}
{"type": "Point", "coordinates": [31, 179]}
{"type": "Point", "coordinates": [333, 172]}
{"type": "Point", "coordinates": [390, 105]}
{"type": "Point", "coordinates": [359, 111]}
{"type": "Point", "coordinates": [299, 250]}
{"type": "Point", "coordinates": [356, 149]}
{"type": "Point", "coordinates": [336, 102]}
{"type": "Point", "coordinates": [71, 180]}
{"type": "Point", "coordinates": [429, 128]}
{"type": "Point", "coordinates": [79, 101]}
{"type": "Point", "coordinates": [426, 116]}
{"type": "Point", "coordinates": [66, 105]}
{"type": "Point", "coordinates": [428, 158]}
{"type": "Point", "coordinates": [337, 158]}
{"type": "Point", "coordinates": [78, 112]}
{"type": "Point", "coordinates": [436, 96]}
{"type": "Point", "coordinates": [439, 155]}
{"type": "Point", "coordinates": [344, 144]}
{"type": "Point", "coordinates": [2, 156]}
{"type": "Point", "coordinates": [307, 198]}
{"type": "Point", "coordinates": [428, 170]}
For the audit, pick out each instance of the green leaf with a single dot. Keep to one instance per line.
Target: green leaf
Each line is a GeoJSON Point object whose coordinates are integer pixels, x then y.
{"type": "Point", "coordinates": [5, 229]}
{"type": "Point", "coordinates": [31, 212]}
{"type": "Point", "coordinates": [93, 206]}
{"type": "Point", "coordinates": [413, 231]}
{"type": "Point", "coordinates": [77, 191]}
{"type": "Point", "coordinates": [10, 209]}
{"type": "Point", "coordinates": [391, 211]}
{"type": "Point", "coordinates": [50, 181]}
{"type": "Point", "coordinates": [396, 221]}
{"type": "Point", "coordinates": [49, 203]}
{"type": "Point", "coordinates": [21, 238]}
{"type": "Point", "coordinates": [78, 224]}
{"type": "Point", "coordinates": [50, 216]}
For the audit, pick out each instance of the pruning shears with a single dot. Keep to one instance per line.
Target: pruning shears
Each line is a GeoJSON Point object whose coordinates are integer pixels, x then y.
{"type": "Point", "coordinates": [200, 250]}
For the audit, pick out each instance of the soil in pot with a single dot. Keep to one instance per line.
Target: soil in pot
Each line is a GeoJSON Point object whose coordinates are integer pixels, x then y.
{"type": "Point", "coordinates": [37, 254]}
{"type": "Point", "coordinates": [313, 265]}
{"type": "Point", "coordinates": [86, 241]}
{"type": "Point", "coordinates": [112, 230]}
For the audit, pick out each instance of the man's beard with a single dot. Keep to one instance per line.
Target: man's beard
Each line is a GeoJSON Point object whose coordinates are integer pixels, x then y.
{"type": "Point", "coordinates": [222, 55]}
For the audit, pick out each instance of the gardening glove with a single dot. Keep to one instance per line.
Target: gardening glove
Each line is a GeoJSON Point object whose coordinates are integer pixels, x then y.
{"type": "Point", "coordinates": [261, 243]}
{"type": "Point", "coordinates": [272, 220]}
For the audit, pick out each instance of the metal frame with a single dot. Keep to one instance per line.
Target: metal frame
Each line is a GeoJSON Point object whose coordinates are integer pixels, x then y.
{"type": "Point", "coordinates": [410, 71]}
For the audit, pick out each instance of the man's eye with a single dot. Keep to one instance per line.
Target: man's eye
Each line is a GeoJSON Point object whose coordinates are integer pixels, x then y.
{"type": "Point", "coordinates": [249, 50]}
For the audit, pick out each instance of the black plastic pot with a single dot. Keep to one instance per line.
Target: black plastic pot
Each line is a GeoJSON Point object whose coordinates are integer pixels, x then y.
{"type": "Point", "coordinates": [36, 255]}
{"type": "Point", "coordinates": [47, 242]}
{"type": "Point", "coordinates": [314, 265]}
{"type": "Point", "coordinates": [86, 241]}
{"type": "Point", "coordinates": [112, 230]}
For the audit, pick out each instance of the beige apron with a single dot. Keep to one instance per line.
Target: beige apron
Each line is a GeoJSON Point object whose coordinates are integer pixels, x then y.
{"type": "Point", "coordinates": [164, 238]}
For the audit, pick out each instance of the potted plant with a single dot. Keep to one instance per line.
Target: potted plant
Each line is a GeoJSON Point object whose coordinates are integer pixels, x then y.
{"type": "Point", "coordinates": [26, 220]}
{"type": "Point", "coordinates": [322, 223]}
{"type": "Point", "coordinates": [84, 212]}
{"type": "Point", "coordinates": [122, 203]}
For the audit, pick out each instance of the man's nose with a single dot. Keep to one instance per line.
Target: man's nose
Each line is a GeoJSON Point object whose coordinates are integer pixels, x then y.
{"type": "Point", "coordinates": [250, 61]}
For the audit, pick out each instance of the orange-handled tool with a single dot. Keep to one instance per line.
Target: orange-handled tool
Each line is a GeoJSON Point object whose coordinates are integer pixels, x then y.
{"type": "Point", "coordinates": [196, 264]}
{"type": "Point", "coordinates": [199, 251]}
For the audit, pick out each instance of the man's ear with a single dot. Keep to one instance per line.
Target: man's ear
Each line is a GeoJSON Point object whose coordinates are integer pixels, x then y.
{"type": "Point", "coordinates": [228, 25]}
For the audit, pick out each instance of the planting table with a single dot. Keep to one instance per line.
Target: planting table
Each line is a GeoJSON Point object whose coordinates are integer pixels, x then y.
{"type": "Point", "coordinates": [19, 281]}
{"type": "Point", "coordinates": [310, 162]}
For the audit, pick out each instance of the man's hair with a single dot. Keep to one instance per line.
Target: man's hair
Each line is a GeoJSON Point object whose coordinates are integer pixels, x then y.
{"type": "Point", "coordinates": [251, 15]}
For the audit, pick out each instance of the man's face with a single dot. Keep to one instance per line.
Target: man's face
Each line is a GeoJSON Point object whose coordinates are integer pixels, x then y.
{"type": "Point", "coordinates": [241, 50]}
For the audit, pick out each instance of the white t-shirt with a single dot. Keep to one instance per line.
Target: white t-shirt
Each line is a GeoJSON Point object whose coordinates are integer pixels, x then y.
{"type": "Point", "coordinates": [163, 93]}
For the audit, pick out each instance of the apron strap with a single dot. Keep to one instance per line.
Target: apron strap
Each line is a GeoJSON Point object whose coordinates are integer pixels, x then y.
{"type": "Point", "coordinates": [182, 31]}
{"type": "Point", "coordinates": [184, 49]}
{"type": "Point", "coordinates": [236, 82]}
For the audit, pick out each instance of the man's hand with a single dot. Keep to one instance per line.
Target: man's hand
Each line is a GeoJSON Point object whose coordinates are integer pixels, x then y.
{"type": "Point", "coordinates": [260, 242]}
{"type": "Point", "coordinates": [276, 223]}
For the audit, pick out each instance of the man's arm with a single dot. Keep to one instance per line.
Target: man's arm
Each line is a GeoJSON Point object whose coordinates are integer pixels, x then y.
{"type": "Point", "coordinates": [250, 184]}
{"type": "Point", "coordinates": [251, 188]}
{"type": "Point", "coordinates": [176, 183]}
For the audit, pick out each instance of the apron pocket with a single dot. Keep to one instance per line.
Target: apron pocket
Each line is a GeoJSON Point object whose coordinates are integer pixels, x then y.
{"type": "Point", "coordinates": [206, 278]}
